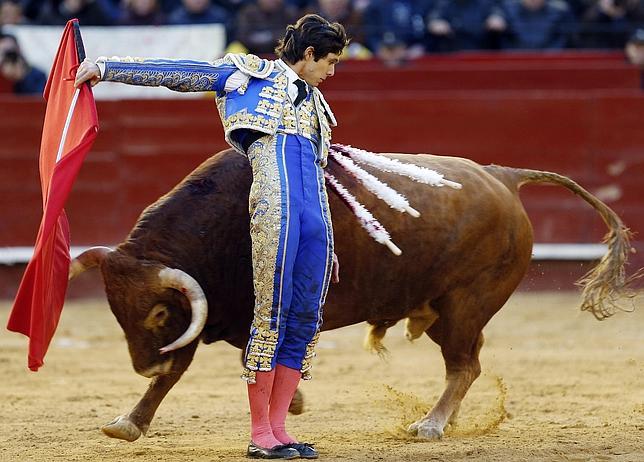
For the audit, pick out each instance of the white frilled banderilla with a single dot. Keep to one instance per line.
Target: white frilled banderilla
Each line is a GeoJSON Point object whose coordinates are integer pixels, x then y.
{"type": "Point", "coordinates": [348, 157]}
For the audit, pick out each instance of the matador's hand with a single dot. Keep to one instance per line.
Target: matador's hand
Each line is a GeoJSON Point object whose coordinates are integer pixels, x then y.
{"type": "Point", "coordinates": [335, 277]}
{"type": "Point", "coordinates": [87, 71]}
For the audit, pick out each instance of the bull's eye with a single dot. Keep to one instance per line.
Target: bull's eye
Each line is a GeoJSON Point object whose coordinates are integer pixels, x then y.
{"type": "Point", "coordinates": [157, 317]}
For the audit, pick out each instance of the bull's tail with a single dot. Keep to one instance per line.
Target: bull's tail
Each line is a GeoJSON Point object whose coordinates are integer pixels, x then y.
{"type": "Point", "coordinates": [604, 287]}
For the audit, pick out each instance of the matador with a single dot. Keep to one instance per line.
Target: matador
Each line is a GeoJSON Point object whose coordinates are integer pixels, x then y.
{"type": "Point", "coordinates": [272, 112]}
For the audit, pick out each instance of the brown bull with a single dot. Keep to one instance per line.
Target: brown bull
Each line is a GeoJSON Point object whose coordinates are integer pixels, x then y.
{"type": "Point", "coordinates": [461, 261]}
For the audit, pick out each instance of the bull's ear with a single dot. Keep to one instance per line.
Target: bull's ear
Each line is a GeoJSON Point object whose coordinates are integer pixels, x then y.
{"type": "Point", "coordinates": [157, 317]}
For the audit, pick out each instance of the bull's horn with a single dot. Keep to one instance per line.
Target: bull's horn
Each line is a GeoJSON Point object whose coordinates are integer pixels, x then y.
{"type": "Point", "coordinates": [177, 279]}
{"type": "Point", "coordinates": [89, 259]}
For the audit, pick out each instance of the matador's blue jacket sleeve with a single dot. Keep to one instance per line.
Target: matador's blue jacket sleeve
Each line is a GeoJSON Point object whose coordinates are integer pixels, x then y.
{"type": "Point", "coordinates": [177, 75]}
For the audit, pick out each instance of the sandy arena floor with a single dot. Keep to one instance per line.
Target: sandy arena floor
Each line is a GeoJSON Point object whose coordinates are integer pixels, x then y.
{"type": "Point", "coordinates": [557, 385]}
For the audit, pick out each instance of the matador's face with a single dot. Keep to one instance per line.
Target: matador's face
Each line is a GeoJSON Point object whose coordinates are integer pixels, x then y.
{"type": "Point", "coordinates": [315, 72]}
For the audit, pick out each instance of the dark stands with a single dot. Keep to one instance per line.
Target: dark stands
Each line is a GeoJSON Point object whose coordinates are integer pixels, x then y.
{"type": "Point", "coordinates": [260, 24]}
{"type": "Point", "coordinates": [394, 30]}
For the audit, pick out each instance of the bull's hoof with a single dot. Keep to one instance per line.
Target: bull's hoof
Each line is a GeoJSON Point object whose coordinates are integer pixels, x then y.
{"type": "Point", "coordinates": [426, 430]}
{"type": "Point", "coordinates": [122, 428]}
{"type": "Point", "coordinates": [297, 403]}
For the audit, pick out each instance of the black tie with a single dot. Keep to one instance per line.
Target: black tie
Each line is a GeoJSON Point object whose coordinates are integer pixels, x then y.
{"type": "Point", "coordinates": [301, 91]}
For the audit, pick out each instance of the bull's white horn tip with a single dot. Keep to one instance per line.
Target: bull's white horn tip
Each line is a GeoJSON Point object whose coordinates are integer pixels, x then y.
{"type": "Point", "coordinates": [413, 212]}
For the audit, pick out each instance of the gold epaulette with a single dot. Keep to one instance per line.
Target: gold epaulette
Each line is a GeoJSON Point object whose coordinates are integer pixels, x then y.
{"type": "Point", "coordinates": [251, 64]}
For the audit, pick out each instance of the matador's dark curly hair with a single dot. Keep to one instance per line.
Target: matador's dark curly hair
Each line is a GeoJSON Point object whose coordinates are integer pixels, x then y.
{"type": "Point", "coordinates": [314, 31]}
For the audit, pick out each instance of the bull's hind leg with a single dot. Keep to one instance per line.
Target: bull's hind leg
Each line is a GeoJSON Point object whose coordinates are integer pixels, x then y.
{"type": "Point", "coordinates": [458, 331]}
{"type": "Point", "coordinates": [463, 312]}
{"type": "Point", "coordinates": [462, 368]}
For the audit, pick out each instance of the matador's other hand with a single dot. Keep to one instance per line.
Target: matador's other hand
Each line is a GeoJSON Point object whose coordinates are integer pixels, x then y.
{"type": "Point", "coordinates": [335, 278]}
{"type": "Point", "coordinates": [87, 71]}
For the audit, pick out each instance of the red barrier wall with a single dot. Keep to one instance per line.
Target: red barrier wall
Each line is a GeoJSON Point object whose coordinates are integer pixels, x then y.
{"type": "Point", "coordinates": [493, 71]}
{"type": "Point", "coordinates": [144, 147]}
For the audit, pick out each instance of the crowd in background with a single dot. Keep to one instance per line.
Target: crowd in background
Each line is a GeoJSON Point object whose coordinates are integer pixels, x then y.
{"type": "Point", "coordinates": [392, 30]}
{"type": "Point", "coordinates": [426, 25]}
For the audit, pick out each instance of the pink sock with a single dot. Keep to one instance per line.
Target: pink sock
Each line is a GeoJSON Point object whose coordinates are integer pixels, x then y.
{"type": "Point", "coordinates": [284, 386]}
{"type": "Point", "coordinates": [259, 395]}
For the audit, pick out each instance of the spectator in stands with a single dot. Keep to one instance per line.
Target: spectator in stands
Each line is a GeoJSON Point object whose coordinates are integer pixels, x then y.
{"type": "Point", "coordinates": [635, 52]}
{"type": "Point", "coordinates": [26, 79]}
{"type": "Point", "coordinates": [88, 12]}
{"type": "Point", "coordinates": [395, 29]}
{"type": "Point", "coordinates": [608, 23]}
{"type": "Point", "coordinates": [199, 12]}
{"type": "Point", "coordinates": [260, 25]}
{"type": "Point", "coordinates": [345, 13]}
{"type": "Point", "coordinates": [537, 25]}
{"type": "Point", "coordinates": [142, 13]}
{"type": "Point", "coordinates": [11, 13]}
{"type": "Point", "coordinates": [464, 25]}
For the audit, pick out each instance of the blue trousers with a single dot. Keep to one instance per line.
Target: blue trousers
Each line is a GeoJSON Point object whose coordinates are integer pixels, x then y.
{"type": "Point", "coordinates": [292, 251]}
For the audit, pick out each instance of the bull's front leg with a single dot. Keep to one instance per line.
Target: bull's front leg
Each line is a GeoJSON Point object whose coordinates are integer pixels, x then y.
{"type": "Point", "coordinates": [130, 427]}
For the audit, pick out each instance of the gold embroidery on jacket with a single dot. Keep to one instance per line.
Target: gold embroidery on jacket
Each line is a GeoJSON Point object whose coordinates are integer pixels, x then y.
{"type": "Point", "coordinates": [301, 120]}
{"type": "Point", "coordinates": [271, 92]}
{"type": "Point", "coordinates": [179, 81]}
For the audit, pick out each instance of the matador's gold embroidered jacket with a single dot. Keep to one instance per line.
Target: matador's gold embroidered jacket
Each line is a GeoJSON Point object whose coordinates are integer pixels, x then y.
{"type": "Point", "coordinates": [259, 103]}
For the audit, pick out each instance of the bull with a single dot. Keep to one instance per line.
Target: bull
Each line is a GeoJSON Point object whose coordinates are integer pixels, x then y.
{"type": "Point", "coordinates": [184, 273]}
